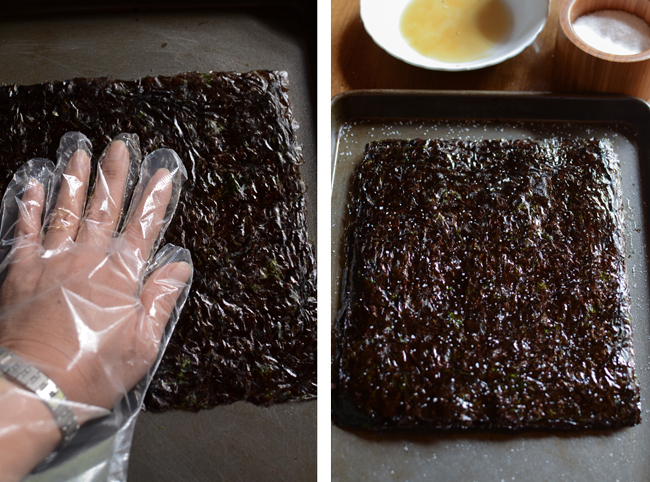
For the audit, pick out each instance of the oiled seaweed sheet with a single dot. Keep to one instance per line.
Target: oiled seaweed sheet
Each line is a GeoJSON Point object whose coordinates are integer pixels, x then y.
{"type": "Point", "coordinates": [248, 329]}
{"type": "Point", "coordinates": [485, 287]}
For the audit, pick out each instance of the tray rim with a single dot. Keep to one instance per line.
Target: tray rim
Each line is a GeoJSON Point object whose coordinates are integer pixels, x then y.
{"type": "Point", "coordinates": [520, 106]}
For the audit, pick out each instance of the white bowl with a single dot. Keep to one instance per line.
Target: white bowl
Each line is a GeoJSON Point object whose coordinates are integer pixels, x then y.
{"type": "Point", "coordinates": [381, 18]}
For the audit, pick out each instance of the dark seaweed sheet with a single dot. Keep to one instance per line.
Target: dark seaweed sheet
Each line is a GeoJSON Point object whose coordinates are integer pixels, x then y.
{"type": "Point", "coordinates": [248, 330]}
{"type": "Point", "coordinates": [485, 287]}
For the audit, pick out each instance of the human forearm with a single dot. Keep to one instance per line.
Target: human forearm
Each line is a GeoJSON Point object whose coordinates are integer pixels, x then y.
{"type": "Point", "coordinates": [28, 432]}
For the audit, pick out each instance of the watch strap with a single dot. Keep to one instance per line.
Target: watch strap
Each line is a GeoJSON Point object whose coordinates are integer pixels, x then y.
{"type": "Point", "coordinates": [36, 381]}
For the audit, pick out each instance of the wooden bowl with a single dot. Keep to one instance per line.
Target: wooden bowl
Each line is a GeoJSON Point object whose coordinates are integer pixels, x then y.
{"type": "Point", "coordinates": [579, 67]}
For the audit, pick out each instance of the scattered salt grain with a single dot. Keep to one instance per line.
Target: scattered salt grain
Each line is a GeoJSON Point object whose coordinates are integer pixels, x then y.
{"type": "Point", "coordinates": [614, 32]}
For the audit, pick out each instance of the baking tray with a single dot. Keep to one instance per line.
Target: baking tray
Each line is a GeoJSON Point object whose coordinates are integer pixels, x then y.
{"type": "Point", "coordinates": [240, 441]}
{"type": "Point", "coordinates": [595, 455]}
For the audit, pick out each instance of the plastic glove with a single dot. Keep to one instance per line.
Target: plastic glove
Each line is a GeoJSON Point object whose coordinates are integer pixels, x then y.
{"type": "Point", "coordinates": [84, 299]}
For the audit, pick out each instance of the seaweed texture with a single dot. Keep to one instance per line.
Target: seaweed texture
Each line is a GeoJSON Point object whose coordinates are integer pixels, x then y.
{"type": "Point", "coordinates": [248, 330]}
{"type": "Point", "coordinates": [485, 288]}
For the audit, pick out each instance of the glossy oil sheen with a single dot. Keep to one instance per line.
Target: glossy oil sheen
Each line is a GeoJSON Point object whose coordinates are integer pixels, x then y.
{"type": "Point", "coordinates": [485, 288]}
{"type": "Point", "coordinates": [455, 30]}
{"type": "Point", "coordinates": [248, 330]}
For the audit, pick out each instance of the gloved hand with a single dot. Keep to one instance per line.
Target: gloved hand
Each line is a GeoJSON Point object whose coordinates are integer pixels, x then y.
{"type": "Point", "coordinates": [85, 298]}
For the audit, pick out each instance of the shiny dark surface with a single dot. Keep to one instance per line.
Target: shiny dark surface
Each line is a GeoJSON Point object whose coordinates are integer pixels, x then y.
{"type": "Point", "coordinates": [485, 288]}
{"type": "Point", "coordinates": [248, 329]}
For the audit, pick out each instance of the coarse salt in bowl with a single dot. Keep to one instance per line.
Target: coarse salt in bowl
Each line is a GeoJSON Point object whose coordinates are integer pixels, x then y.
{"type": "Point", "coordinates": [613, 31]}
{"type": "Point", "coordinates": [585, 65]}
{"type": "Point", "coordinates": [381, 19]}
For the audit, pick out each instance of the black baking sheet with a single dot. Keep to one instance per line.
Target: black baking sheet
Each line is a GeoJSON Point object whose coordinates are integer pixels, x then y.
{"type": "Point", "coordinates": [360, 117]}
{"type": "Point", "coordinates": [127, 40]}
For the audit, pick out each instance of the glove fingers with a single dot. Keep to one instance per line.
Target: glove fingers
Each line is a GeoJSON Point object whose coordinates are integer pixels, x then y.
{"type": "Point", "coordinates": [64, 220]}
{"type": "Point", "coordinates": [142, 231]}
{"type": "Point", "coordinates": [154, 201]}
{"type": "Point", "coordinates": [160, 295]}
{"type": "Point", "coordinates": [28, 223]}
{"type": "Point", "coordinates": [67, 196]}
{"type": "Point", "coordinates": [113, 184]}
{"type": "Point", "coordinates": [35, 174]}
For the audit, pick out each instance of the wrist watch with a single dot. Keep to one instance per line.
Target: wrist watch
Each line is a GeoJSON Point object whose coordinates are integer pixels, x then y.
{"type": "Point", "coordinates": [36, 381]}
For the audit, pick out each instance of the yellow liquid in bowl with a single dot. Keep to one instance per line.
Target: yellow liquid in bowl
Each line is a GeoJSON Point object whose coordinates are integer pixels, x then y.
{"type": "Point", "coordinates": [455, 30]}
